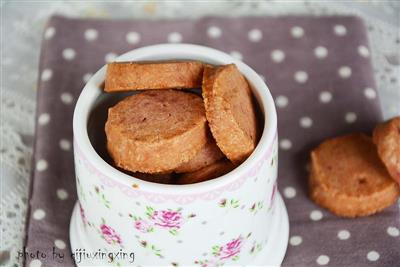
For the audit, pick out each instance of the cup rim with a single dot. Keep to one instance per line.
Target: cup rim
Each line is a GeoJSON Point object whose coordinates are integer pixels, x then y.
{"type": "Point", "coordinates": [92, 91]}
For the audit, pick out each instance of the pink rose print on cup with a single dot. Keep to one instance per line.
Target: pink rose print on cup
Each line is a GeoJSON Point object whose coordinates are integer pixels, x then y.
{"type": "Point", "coordinates": [109, 234]}
{"type": "Point", "coordinates": [171, 220]}
{"type": "Point", "coordinates": [167, 219]}
{"type": "Point", "coordinates": [143, 226]}
{"type": "Point", "coordinates": [222, 254]}
{"type": "Point", "coordinates": [231, 249]}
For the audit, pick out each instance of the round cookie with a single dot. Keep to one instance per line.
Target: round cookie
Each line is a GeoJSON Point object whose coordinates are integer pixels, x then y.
{"type": "Point", "coordinates": [207, 173]}
{"type": "Point", "coordinates": [156, 131]}
{"type": "Point", "coordinates": [150, 75]}
{"type": "Point", "coordinates": [348, 178]}
{"type": "Point", "coordinates": [387, 139]}
{"type": "Point", "coordinates": [230, 111]}
{"type": "Point", "coordinates": [209, 154]}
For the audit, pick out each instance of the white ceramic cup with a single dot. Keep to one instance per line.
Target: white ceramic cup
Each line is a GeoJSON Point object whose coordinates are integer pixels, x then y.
{"type": "Point", "coordinates": [236, 219]}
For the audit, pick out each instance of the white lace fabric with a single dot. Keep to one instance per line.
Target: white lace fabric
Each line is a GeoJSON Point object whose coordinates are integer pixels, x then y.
{"type": "Point", "coordinates": [20, 52]}
{"type": "Point", "coordinates": [17, 120]}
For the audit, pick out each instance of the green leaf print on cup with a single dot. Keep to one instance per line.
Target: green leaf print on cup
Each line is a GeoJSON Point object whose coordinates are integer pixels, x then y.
{"type": "Point", "coordinates": [274, 159]}
{"type": "Point", "coordinates": [225, 203]}
{"type": "Point", "coordinates": [102, 197]}
{"type": "Point", "coordinates": [215, 250]}
{"type": "Point", "coordinates": [257, 247]}
{"type": "Point", "coordinates": [149, 212]}
{"type": "Point", "coordinates": [81, 193]}
{"type": "Point", "coordinates": [256, 207]}
{"type": "Point", "coordinates": [153, 249]}
{"type": "Point", "coordinates": [171, 220]}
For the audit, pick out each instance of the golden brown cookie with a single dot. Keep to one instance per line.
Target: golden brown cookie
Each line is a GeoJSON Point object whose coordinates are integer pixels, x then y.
{"type": "Point", "coordinates": [230, 111]}
{"type": "Point", "coordinates": [126, 76]}
{"type": "Point", "coordinates": [156, 131]}
{"type": "Point", "coordinates": [210, 172]}
{"type": "Point", "coordinates": [209, 154]}
{"type": "Point", "coordinates": [348, 178]}
{"type": "Point", "coordinates": [387, 139]}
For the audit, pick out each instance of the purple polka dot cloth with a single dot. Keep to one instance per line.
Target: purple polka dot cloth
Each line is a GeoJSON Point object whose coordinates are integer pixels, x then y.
{"type": "Point", "coordinates": [320, 75]}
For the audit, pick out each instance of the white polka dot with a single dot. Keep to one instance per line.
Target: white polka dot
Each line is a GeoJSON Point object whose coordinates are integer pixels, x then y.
{"type": "Point", "coordinates": [295, 240]}
{"type": "Point", "coordinates": [363, 51]}
{"type": "Point", "coordinates": [44, 119]}
{"type": "Point", "coordinates": [325, 97]}
{"type": "Point", "coordinates": [281, 101]}
{"type": "Point", "coordinates": [174, 37]}
{"type": "Point", "coordinates": [91, 34]}
{"type": "Point", "coordinates": [297, 32]}
{"type": "Point", "coordinates": [369, 93]}
{"type": "Point", "coordinates": [236, 55]}
{"type": "Point", "coordinates": [214, 32]}
{"type": "Point", "coordinates": [306, 122]}
{"type": "Point", "coordinates": [65, 144]}
{"type": "Point", "coordinates": [350, 117]}
{"type": "Point", "coordinates": [59, 243]}
{"type": "Point", "coordinates": [323, 260]}
{"type": "Point", "coordinates": [255, 35]}
{"type": "Point", "coordinates": [41, 165]}
{"type": "Point", "coordinates": [285, 144]}
{"type": "Point", "coordinates": [66, 98]}
{"type": "Point", "coordinates": [49, 33]}
{"type": "Point", "coordinates": [320, 52]}
{"type": "Point", "coordinates": [343, 234]}
{"type": "Point", "coordinates": [35, 263]}
{"type": "Point", "coordinates": [289, 192]}
{"type": "Point", "coordinates": [110, 57]}
{"type": "Point", "coordinates": [277, 55]}
{"type": "Point", "coordinates": [69, 54]}
{"type": "Point", "coordinates": [344, 72]}
{"type": "Point", "coordinates": [133, 37]}
{"type": "Point", "coordinates": [87, 77]}
{"type": "Point", "coordinates": [39, 214]}
{"type": "Point", "coordinates": [340, 30]}
{"type": "Point", "coordinates": [316, 215]}
{"type": "Point", "coordinates": [393, 231]}
{"type": "Point", "coordinates": [301, 76]}
{"type": "Point", "coordinates": [46, 75]}
{"type": "Point", "coordinates": [62, 194]}
{"type": "Point", "coordinates": [373, 255]}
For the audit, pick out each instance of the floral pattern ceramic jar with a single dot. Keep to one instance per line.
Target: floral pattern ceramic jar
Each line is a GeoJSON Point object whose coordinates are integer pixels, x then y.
{"type": "Point", "coordinates": [236, 219]}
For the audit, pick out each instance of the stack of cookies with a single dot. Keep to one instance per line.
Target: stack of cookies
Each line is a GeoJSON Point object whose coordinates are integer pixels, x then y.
{"type": "Point", "coordinates": [355, 175]}
{"type": "Point", "coordinates": [166, 134]}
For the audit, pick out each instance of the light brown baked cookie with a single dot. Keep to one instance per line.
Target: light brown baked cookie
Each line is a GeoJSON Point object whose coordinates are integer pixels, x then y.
{"type": "Point", "coordinates": [230, 111]}
{"type": "Point", "coordinates": [126, 76]}
{"type": "Point", "coordinates": [156, 131]}
{"type": "Point", "coordinates": [209, 154]}
{"type": "Point", "coordinates": [210, 172]}
{"type": "Point", "coordinates": [387, 139]}
{"type": "Point", "coordinates": [348, 178]}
